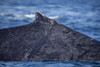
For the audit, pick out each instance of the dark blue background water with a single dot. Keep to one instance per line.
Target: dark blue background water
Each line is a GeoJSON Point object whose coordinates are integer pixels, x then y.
{"type": "Point", "coordinates": [80, 15]}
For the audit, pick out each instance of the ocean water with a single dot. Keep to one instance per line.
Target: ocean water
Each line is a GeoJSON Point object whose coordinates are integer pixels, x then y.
{"type": "Point", "coordinates": [50, 64]}
{"type": "Point", "coordinates": [80, 15]}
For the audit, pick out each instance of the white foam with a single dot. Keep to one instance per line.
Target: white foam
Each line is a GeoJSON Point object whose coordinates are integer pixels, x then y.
{"type": "Point", "coordinates": [54, 17]}
{"type": "Point", "coordinates": [30, 15]}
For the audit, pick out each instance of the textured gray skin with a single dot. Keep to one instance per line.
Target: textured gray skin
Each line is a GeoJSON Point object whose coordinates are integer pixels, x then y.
{"type": "Point", "coordinates": [45, 39]}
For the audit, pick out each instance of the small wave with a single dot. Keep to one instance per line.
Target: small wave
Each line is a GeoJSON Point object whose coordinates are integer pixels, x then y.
{"type": "Point", "coordinates": [90, 14]}
{"type": "Point", "coordinates": [72, 13]}
{"type": "Point", "coordinates": [30, 15]}
{"type": "Point", "coordinates": [54, 17]}
{"type": "Point", "coordinates": [18, 15]}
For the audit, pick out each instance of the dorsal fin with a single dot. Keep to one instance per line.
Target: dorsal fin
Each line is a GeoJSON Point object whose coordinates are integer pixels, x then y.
{"type": "Point", "coordinates": [40, 16]}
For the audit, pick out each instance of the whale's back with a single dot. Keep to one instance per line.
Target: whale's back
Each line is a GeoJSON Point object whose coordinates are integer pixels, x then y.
{"type": "Point", "coordinates": [46, 39]}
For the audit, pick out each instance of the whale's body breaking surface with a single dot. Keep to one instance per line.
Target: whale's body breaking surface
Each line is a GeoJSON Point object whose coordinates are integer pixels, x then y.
{"type": "Point", "coordinates": [45, 39]}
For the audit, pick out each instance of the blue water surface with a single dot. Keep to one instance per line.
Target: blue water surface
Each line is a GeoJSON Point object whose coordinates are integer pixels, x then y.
{"type": "Point", "coordinates": [50, 64]}
{"type": "Point", "coordinates": [80, 15]}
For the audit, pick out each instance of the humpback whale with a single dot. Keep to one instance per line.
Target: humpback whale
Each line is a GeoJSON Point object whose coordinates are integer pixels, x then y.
{"type": "Point", "coordinates": [46, 39]}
